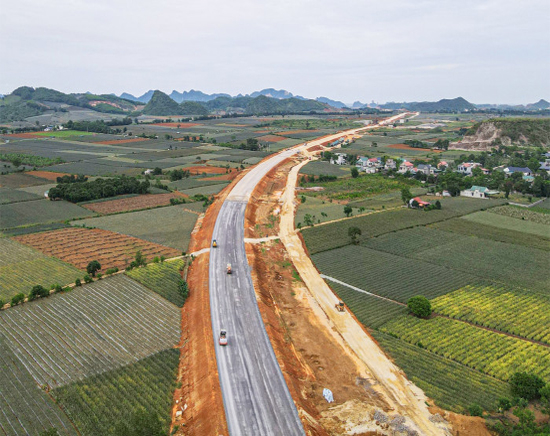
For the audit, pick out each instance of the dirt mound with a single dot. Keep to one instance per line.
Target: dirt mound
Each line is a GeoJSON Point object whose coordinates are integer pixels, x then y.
{"type": "Point", "coordinates": [482, 140]}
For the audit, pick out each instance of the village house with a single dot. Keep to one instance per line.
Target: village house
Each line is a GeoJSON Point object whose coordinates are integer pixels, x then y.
{"type": "Point", "coordinates": [425, 169]}
{"type": "Point", "coordinates": [478, 192]}
{"type": "Point", "coordinates": [524, 170]}
{"type": "Point", "coordinates": [442, 166]}
{"type": "Point", "coordinates": [406, 166]}
{"type": "Point", "coordinates": [418, 202]}
{"type": "Point", "coordinates": [545, 166]}
{"type": "Point", "coordinates": [467, 167]}
{"type": "Point", "coordinates": [369, 165]}
{"type": "Point", "coordinates": [339, 159]}
{"type": "Point", "coordinates": [390, 164]}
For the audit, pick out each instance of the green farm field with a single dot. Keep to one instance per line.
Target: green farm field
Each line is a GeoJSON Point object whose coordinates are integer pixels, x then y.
{"type": "Point", "coordinates": [89, 330]}
{"type": "Point", "coordinates": [537, 228]}
{"type": "Point", "coordinates": [39, 212]}
{"type": "Point", "coordinates": [500, 307]}
{"type": "Point", "coordinates": [170, 226]}
{"type": "Point", "coordinates": [26, 410]}
{"type": "Point", "coordinates": [161, 278]}
{"type": "Point", "coordinates": [22, 267]}
{"type": "Point", "coordinates": [492, 353]}
{"type": "Point", "coordinates": [451, 385]}
{"type": "Point", "coordinates": [101, 402]}
{"type": "Point", "coordinates": [335, 235]}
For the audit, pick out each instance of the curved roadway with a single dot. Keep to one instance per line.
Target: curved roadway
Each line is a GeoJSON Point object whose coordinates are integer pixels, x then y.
{"type": "Point", "coordinates": [255, 395]}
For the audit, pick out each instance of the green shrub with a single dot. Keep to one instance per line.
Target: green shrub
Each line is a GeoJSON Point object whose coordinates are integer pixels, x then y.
{"type": "Point", "coordinates": [16, 299]}
{"type": "Point", "coordinates": [38, 291]}
{"type": "Point", "coordinates": [475, 410]}
{"type": "Point", "coordinates": [419, 306]}
{"type": "Point", "coordinates": [525, 385]}
{"type": "Point", "coordinates": [77, 282]}
{"type": "Point", "coordinates": [88, 279]}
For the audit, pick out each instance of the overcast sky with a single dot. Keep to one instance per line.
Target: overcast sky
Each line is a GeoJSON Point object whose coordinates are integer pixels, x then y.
{"type": "Point", "coordinates": [487, 51]}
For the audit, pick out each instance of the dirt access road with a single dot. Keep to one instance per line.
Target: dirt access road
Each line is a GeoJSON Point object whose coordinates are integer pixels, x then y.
{"type": "Point", "coordinates": [403, 396]}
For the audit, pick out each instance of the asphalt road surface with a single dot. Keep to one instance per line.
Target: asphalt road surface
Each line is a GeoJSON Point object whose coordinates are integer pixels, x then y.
{"type": "Point", "coordinates": [255, 395]}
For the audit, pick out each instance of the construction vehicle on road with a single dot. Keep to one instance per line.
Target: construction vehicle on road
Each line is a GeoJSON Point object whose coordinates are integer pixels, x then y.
{"type": "Point", "coordinates": [214, 243]}
{"type": "Point", "coordinates": [223, 337]}
{"type": "Point", "coordinates": [229, 271]}
{"type": "Point", "coordinates": [340, 307]}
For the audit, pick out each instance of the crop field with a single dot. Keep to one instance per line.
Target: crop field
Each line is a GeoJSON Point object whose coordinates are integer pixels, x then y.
{"type": "Point", "coordinates": [168, 226]}
{"type": "Point", "coordinates": [335, 235]}
{"type": "Point", "coordinates": [97, 168]}
{"type": "Point", "coordinates": [25, 409]}
{"type": "Point", "coordinates": [9, 195]}
{"type": "Point", "coordinates": [387, 275]}
{"type": "Point", "coordinates": [191, 183]}
{"type": "Point", "coordinates": [469, 228]}
{"type": "Point", "coordinates": [22, 267]}
{"type": "Point", "coordinates": [161, 278]}
{"type": "Point", "coordinates": [79, 246]}
{"type": "Point", "coordinates": [97, 404]}
{"type": "Point", "coordinates": [451, 385]}
{"type": "Point", "coordinates": [371, 311]}
{"type": "Point", "coordinates": [63, 133]}
{"type": "Point", "coordinates": [531, 226]}
{"type": "Point", "coordinates": [510, 310]}
{"type": "Point", "coordinates": [508, 263]}
{"type": "Point", "coordinates": [38, 212]}
{"type": "Point", "coordinates": [316, 168]}
{"type": "Point", "coordinates": [97, 328]}
{"type": "Point", "coordinates": [360, 187]}
{"type": "Point", "coordinates": [20, 180]}
{"type": "Point", "coordinates": [206, 190]}
{"type": "Point", "coordinates": [385, 201]}
{"type": "Point", "coordinates": [316, 207]}
{"type": "Point", "coordinates": [494, 354]}
{"type": "Point", "coordinates": [522, 213]}
{"type": "Point", "coordinates": [133, 203]}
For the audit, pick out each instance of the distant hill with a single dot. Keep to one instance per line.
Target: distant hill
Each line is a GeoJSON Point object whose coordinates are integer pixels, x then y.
{"type": "Point", "coordinates": [541, 104]}
{"type": "Point", "coordinates": [333, 103]}
{"type": "Point", "coordinates": [458, 104]}
{"type": "Point", "coordinates": [161, 104]}
{"type": "Point", "coordinates": [194, 96]}
{"type": "Point", "coordinates": [193, 108]}
{"type": "Point", "coordinates": [280, 94]}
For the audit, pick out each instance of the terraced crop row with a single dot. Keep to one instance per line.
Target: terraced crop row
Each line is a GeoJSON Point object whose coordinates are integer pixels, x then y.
{"type": "Point", "coordinates": [493, 353]}
{"type": "Point", "coordinates": [387, 275]}
{"type": "Point", "coordinates": [451, 385]}
{"type": "Point", "coordinates": [161, 278]}
{"type": "Point", "coordinates": [100, 403]}
{"type": "Point", "coordinates": [511, 310]}
{"type": "Point", "coordinates": [99, 327]}
{"type": "Point", "coordinates": [25, 409]}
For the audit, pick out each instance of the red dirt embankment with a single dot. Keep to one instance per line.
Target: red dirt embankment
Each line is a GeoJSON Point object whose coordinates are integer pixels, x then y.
{"type": "Point", "coordinates": [47, 175]}
{"type": "Point", "coordinates": [200, 394]}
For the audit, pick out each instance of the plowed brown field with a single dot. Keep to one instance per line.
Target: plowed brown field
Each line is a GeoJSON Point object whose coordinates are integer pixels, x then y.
{"type": "Point", "coordinates": [272, 138]}
{"type": "Point", "coordinates": [133, 203]}
{"type": "Point", "coordinates": [47, 175]}
{"type": "Point", "coordinates": [79, 246]}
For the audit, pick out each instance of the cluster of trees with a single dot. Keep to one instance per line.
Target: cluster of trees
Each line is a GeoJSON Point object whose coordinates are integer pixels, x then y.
{"type": "Point", "coordinates": [175, 175]}
{"type": "Point", "coordinates": [99, 126]}
{"type": "Point", "coordinates": [99, 188]}
{"type": "Point", "coordinates": [18, 159]}
{"type": "Point", "coordinates": [321, 178]}
{"type": "Point", "coordinates": [80, 178]}
{"type": "Point", "coordinates": [139, 261]}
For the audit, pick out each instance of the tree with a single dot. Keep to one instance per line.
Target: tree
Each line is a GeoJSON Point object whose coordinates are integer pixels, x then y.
{"type": "Point", "coordinates": [16, 162]}
{"type": "Point", "coordinates": [504, 404]}
{"type": "Point", "coordinates": [420, 306]}
{"type": "Point", "coordinates": [16, 299]}
{"type": "Point", "coordinates": [308, 220]}
{"type": "Point", "coordinates": [406, 195]}
{"type": "Point", "coordinates": [140, 259]}
{"type": "Point", "coordinates": [437, 204]}
{"type": "Point", "coordinates": [37, 292]}
{"type": "Point", "coordinates": [353, 233]}
{"type": "Point", "coordinates": [183, 289]}
{"type": "Point", "coordinates": [354, 172]}
{"type": "Point", "coordinates": [348, 210]}
{"type": "Point", "coordinates": [475, 410]}
{"type": "Point", "coordinates": [93, 267]}
{"type": "Point", "coordinates": [525, 385]}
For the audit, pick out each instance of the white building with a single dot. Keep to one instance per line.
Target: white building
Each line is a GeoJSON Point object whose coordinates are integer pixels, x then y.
{"type": "Point", "coordinates": [478, 192]}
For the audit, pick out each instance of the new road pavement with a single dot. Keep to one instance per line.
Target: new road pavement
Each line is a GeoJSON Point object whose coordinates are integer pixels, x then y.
{"type": "Point", "coordinates": [255, 395]}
